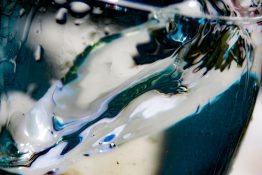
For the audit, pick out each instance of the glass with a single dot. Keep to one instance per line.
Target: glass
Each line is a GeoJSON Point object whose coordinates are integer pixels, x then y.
{"type": "Point", "coordinates": [84, 77]}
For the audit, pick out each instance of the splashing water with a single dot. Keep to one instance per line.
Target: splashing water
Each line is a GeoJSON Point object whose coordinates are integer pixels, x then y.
{"type": "Point", "coordinates": [132, 78]}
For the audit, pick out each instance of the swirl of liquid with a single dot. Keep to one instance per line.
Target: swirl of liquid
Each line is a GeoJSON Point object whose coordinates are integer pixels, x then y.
{"type": "Point", "coordinates": [140, 80]}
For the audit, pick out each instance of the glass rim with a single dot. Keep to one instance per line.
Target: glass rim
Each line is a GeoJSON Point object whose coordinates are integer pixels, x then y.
{"type": "Point", "coordinates": [154, 10]}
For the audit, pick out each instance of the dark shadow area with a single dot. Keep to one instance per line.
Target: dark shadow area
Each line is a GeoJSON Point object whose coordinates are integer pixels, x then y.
{"type": "Point", "coordinates": [206, 142]}
{"type": "Point", "coordinates": [27, 72]}
{"type": "Point", "coordinates": [2, 172]}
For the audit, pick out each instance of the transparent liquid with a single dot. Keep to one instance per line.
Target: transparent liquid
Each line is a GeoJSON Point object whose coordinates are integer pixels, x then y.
{"type": "Point", "coordinates": [118, 74]}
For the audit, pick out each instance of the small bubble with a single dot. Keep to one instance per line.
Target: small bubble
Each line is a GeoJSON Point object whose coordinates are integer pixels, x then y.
{"type": "Point", "coordinates": [182, 89]}
{"type": "Point", "coordinates": [109, 138]}
{"type": "Point", "coordinates": [112, 145]}
{"type": "Point", "coordinates": [78, 22]}
{"type": "Point", "coordinates": [52, 172]}
{"type": "Point", "coordinates": [60, 2]}
{"type": "Point", "coordinates": [171, 26]}
{"type": "Point", "coordinates": [39, 51]}
{"type": "Point", "coordinates": [97, 11]}
{"type": "Point", "coordinates": [87, 155]}
{"type": "Point", "coordinates": [21, 12]}
{"type": "Point", "coordinates": [106, 31]}
{"type": "Point", "coordinates": [61, 16]}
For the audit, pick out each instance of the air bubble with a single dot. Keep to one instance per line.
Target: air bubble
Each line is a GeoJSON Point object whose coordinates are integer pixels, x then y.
{"type": "Point", "coordinates": [21, 12]}
{"type": "Point", "coordinates": [61, 16]}
{"type": "Point", "coordinates": [97, 11]}
{"type": "Point", "coordinates": [60, 2]}
{"type": "Point", "coordinates": [79, 7]}
{"type": "Point", "coordinates": [78, 22]}
{"type": "Point", "coordinates": [39, 51]}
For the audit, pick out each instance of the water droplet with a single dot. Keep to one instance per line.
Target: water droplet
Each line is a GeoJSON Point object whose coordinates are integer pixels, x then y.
{"type": "Point", "coordinates": [39, 51]}
{"type": "Point", "coordinates": [171, 26]}
{"type": "Point", "coordinates": [97, 11]}
{"type": "Point", "coordinates": [52, 172]}
{"type": "Point", "coordinates": [78, 22]}
{"type": "Point", "coordinates": [21, 12]}
{"type": "Point", "coordinates": [182, 89]}
{"type": "Point", "coordinates": [60, 2]}
{"type": "Point", "coordinates": [106, 30]}
{"type": "Point", "coordinates": [109, 138]}
{"type": "Point", "coordinates": [61, 16]}
{"type": "Point", "coordinates": [79, 7]}
{"type": "Point", "coordinates": [112, 145]}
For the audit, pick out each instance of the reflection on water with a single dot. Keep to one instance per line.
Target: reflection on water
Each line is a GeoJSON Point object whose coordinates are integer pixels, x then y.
{"type": "Point", "coordinates": [138, 70]}
{"type": "Point", "coordinates": [197, 145]}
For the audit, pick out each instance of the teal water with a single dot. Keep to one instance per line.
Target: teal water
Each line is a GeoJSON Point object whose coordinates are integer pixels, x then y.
{"type": "Point", "coordinates": [206, 142]}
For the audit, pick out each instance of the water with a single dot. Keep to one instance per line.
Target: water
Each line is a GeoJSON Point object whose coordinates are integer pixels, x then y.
{"type": "Point", "coordinates": [83, 79]}
{"type": "Point", "coordinates": [197, 145]}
